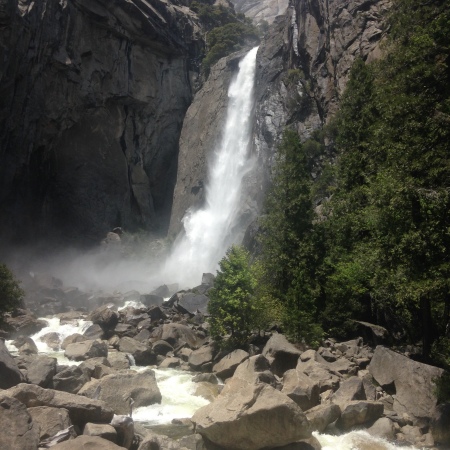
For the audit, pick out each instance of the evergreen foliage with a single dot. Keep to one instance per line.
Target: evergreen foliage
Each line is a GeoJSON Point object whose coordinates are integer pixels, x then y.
{"type": "Point", "coordinates": [227, 32]}
{"type": "Point", "coordinates": [11, 295]}
{"type": "Point", "coordinates": [379, 249]}
{"type": "Point", "coordinates": [288, 242]}
{"type": "Point", "coordinates": [232, 306]}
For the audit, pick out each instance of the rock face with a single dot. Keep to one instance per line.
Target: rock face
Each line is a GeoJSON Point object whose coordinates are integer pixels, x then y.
{"type": "Point", "coordinates": [411, 382]}
{"type": "Point", "coordinates": [201, 133]}
{"type": "Point", "coordinates": [10, 375]}
{"type": "Point", "coordinates": [261, 10]}
{"type": "Point", "coordinates": [238, 419]}
{"type": "Point", "coordinates": [302, 69]}
{"type": "Point", "coordinates": [18, 429]}
{"type": "Point", "coordinates": [92, 98]}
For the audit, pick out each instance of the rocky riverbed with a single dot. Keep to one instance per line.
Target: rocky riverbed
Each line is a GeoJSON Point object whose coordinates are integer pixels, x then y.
{"type": "Point", "coordinates": [102, 386]}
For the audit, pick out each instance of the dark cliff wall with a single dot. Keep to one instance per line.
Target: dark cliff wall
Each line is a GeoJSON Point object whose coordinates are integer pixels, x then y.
{"type": "Point", "coordinates": [92, 99]}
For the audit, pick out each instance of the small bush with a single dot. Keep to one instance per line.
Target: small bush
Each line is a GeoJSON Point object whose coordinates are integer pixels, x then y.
{"type": "Point", "coordinates": [11, 295]}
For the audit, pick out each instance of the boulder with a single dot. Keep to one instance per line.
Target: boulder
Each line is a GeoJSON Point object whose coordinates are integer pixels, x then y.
{"type": "Point", "coordinates": [24, 324]}
{"type": "Point", "coordinates": [102, 430]}
{"type": "Point", "coordinates": [358, 412]}
{"type": "Point", "coordinates": [321, 416]}
{"type": "Point", "coordinates": [168, 363]}
{"type": "Point", "coordinates": [96, 367]}
{"type": "Point", "coordinates": [343, 366]}
{"type": "Point", "coordinates": [208, 377]}
{"type": "Point", "coordinates": [162, 347]}
{"type": "Point", "coordinates": [72, 339]}
{"type": "Point", "coordinates": [10, 375]}
{"type": "Point", "coordinates": [84, 442]}
{"type": "Point", "coordinates": [208, 391]}
{"type": "Point", "coordinates": [177, 334]}
{"type": "Point", "coordinates": [281, 354]}
{"type": "Point", "coordinates": [41, 370]}
{"type": "Point", "coordinates": [192, 303]}
{"type": "Point", "coordinates": [118, 360]}
{"type": "Point", "coordinates": [50, 420]}
{"type": "Point", "coordinates": [80, 351]}
{"type": "Point", "coordinates": [256, 369]}
{"type": "Point", "coordinates": [227, 365]}
{"type": "Point", "coordinates": [320, 373]}
{"type": "Point", "coordinates": [413, 383]}
{"type": "Point", "coordinates": [251, 416]}
{"type": "Point", "coordinates": [94, 331]}
{"type": "Point", "coordinates": [350, 389]}
{"type": "Point", "coordinates": [27, 347]}
{"type": "Point", "coordinates": [104, 316]}
{"type": "Point", "coordinates": [156, 314]}
{"type": "Point", "coordinates": [151, 300]}
{"type": "Point", "coordinates": [71, 379]}
{"type": "Point", "coordinates": [125, 330]}
{"type": "Point", "coordinates": [300, 388]}
{"type": "Point", "coordinates": [52, 340]}
{"type": "Point", "coordinates": [373, 334]}
{"type": "Point", "coordinates": [81, 409]}
{"type": "Point", "coordinates": [18, 431]}
{"type": "Point", "coordinates": [117, 390]}
{"type": "Point", "coordinates": [199, 358]}
{"type": "Point", "coordinates": [141, 352]}
{"type": "Point", "coordinates": [383, 428]}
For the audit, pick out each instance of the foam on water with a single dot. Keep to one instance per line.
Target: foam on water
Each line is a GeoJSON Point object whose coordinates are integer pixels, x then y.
{"type": "Point", "coordinates": [178, 399]}
{"type": "Point", "coordinates": [356, 440]}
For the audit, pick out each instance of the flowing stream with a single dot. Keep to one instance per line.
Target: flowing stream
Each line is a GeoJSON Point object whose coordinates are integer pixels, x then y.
{"type": "Point", "coordinates": [209, 231]}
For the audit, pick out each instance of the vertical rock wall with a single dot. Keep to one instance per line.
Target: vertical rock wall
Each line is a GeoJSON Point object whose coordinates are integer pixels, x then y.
{"type": "Point", "coordinates": [92, 99]}
{"type": "Point", "coordinates": [304, 64]}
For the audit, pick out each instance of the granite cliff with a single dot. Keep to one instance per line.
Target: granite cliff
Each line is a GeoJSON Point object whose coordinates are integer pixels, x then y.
{"type": "Point", "coordinates": [303, 66]}
{"type": "Point", "coordinates": [92, 99]}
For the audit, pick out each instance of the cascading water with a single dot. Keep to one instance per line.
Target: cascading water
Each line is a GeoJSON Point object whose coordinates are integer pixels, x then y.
{"type": "Point", "coordinates": [208, 232]}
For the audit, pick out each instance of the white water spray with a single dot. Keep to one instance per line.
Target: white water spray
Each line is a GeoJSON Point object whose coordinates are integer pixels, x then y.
{"type": "Point", "coordinates": [209, 231]}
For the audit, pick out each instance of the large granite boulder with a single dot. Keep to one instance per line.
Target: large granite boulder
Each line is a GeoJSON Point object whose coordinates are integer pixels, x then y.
{"type": "Point", "coordinates": [192, 303]}
{"type": "Point", "coordinates": [85, 442]}
{"type": "Point", "coordinates": [71, 379]}
{"type": "Point", "coordinates": [177, 334]}
{"type": "Point", "coordinates": [413, 383]}
{"type": "Point", "coordinates": [251, 416]}
{"type": "Point", "coordinates": [50, 420]}
{"type": "Point", "coordinates": [119, 390]}
{"type": "Point", "coordinates": [302, 389]}
{"type": "Point", "coordinates": [18, 431]}
{"type": "Point", "coordinates": [141, 352]}
{"type": "Point", "coordinates": [10, 375]}
{"type": "Point", "coordinates": [281, 354]}
{"type": "Point", "coordinates": [198, 359]}
{"type": "Point", "coordinates": [228, 364]}
{"type": "Point", "coordinates": [358, 413]}
{"type": "Point", "coordinates": [40, 369]}
{"type": "Point", "coordinates": [80, 351]}
{"type": "Point", "coordinates": [104, 316]}
{"type": "Point", "coordinates": [321, 416]}
{"type": "Point", "coordinates": [81, 409]}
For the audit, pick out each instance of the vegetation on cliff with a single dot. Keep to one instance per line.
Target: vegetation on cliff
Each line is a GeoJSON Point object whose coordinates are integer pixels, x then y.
{"type": "Point", "coordinates": [379, 249]}
{"type": "Point", "coordinates": [226, 31]}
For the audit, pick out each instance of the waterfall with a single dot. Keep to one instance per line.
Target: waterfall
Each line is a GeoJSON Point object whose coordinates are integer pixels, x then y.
{"type": "Point", "coordinates": [209, 231]}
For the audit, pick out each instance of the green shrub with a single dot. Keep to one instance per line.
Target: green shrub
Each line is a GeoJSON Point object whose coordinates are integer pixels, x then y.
{"type": "Point", "coordinates": [11, 295]}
